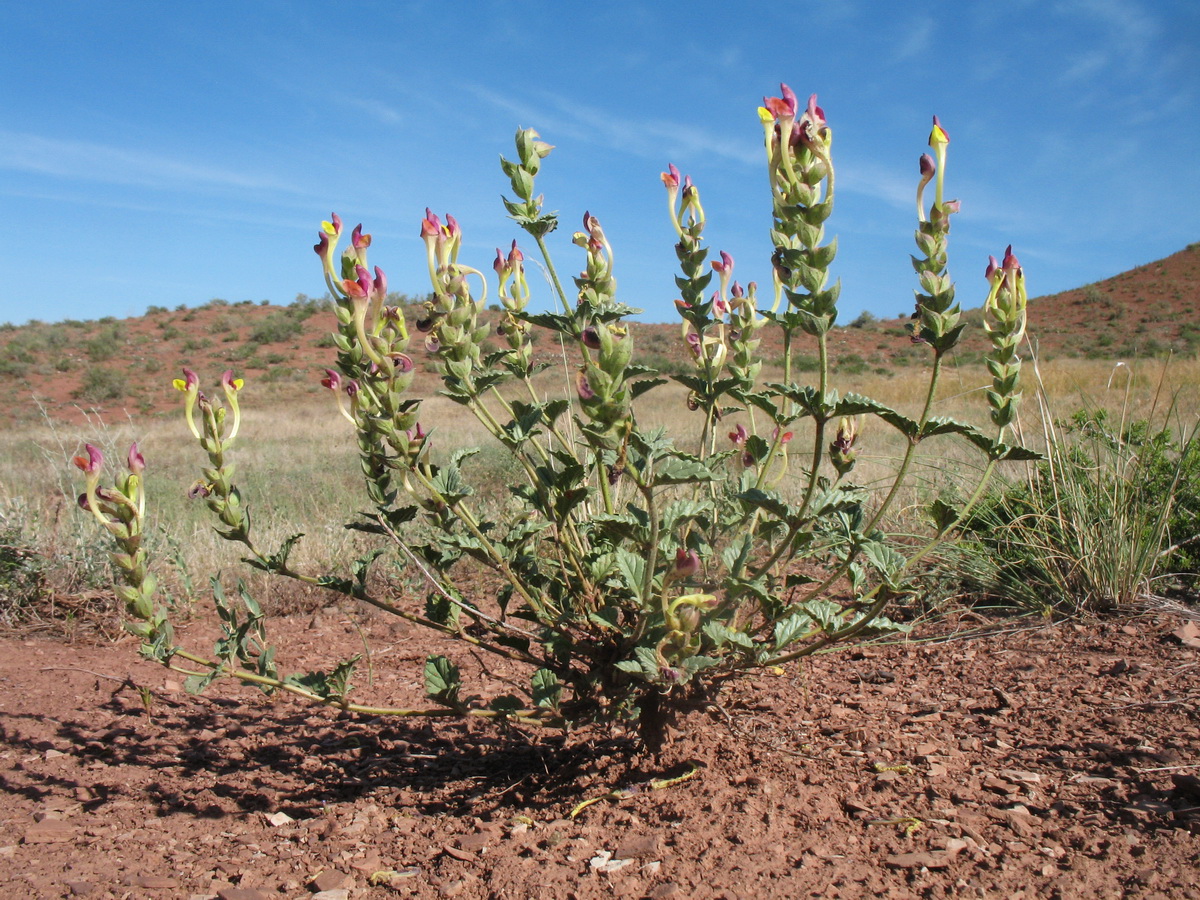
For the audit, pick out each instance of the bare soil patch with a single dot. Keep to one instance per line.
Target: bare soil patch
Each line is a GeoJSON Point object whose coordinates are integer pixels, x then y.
{"type": "Point", "coordinates": [1041, 762]}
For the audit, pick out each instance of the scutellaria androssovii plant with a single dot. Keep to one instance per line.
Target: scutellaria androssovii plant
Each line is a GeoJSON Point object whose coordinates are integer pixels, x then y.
{"type": "Point", "coordinates": [640, 570]}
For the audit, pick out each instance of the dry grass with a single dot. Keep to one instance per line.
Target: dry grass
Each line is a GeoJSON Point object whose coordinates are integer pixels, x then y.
{"type": "Point", "coordinates": [298, 469]}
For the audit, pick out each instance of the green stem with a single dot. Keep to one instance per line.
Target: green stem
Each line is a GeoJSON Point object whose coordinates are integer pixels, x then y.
{"type": "Point", "coordinates": [558, 288]}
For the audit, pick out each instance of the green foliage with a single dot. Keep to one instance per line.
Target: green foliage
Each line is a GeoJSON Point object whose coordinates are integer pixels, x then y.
{"type": "Point", "coordinates": [22, 567]}
{"type": "Point", "coordinates": [101, 385]}
{"type": "Point", "coordinates": [637, 570]}
{"type": "Point", "coordinates": [1112, 512]}
{"type": "Point", "coordinates": [278, 327]}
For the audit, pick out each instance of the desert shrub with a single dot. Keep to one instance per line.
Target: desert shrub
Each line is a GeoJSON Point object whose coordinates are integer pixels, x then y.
{"type": "Point", "coordinates": [1113, 511]}
{"type": "Point", "coordinates": [864, 319]}
{"type": "Point", "coordinates": [276, 328]}
{"type": "Point", "coordinates": [22, 567]}
{"type": "Point", "coordinates": [637, 571]}
{"type": "Point", "coordinates": [101, 384]}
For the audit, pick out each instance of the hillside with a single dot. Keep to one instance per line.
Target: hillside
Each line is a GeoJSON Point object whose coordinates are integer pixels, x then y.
{"type": "Point", "coordinates": [125, 367]}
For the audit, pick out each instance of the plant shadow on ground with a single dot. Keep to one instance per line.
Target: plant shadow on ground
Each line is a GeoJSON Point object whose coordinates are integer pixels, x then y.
{"type": "Point", "coordinates": [257, 760]}
{"type": "Point", "coordinates": [221, 758]}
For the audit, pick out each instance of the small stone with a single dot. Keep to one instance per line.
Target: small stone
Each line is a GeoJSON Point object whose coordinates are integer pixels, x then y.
{"type": "Point", "coordinates": [155, 882]}
{"type": "Point", "coordinates": [328, 880]}
{"type": "Point", "coordinates": [279, 818]}
{"type": "Point", "coordinates": [336, 894]}
{"type": "Point", "coordinates": [663, 891]}
{"type": "Point", "coordinates": [49, 831]}
{"type": "Point", "coordinates": [240, 893]}
{"type": "Point", "coordinates": [645, 846]}
{"type": "Point", "coordinates": [474, 843]}
{"type": "Point", "coordinates": [916, 861]}
{"type": "Point", "coordinates": [81, 888]}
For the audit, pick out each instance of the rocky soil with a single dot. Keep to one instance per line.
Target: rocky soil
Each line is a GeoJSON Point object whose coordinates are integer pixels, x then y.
{"type": "Point", "coordinates": [1047, 761]}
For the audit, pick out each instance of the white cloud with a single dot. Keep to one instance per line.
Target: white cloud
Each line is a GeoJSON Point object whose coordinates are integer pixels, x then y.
{"type": "Point", "coordinates": [381, 112]}
{"type": "Point", "coordinates": [87, 161]}
{"type": "Point", "coordinates": [917, 42]}
{"type": "Point", "coordinates": [1085, 66]}
{"type": "Point", "coordinates": [655, 139]}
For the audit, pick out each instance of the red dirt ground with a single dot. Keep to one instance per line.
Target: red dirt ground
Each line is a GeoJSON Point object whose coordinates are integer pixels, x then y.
{"type": "Point", "coordinates": [1038, 762]}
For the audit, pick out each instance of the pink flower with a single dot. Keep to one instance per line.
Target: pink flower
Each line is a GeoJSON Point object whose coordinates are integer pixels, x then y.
{"type": "Point", "coordinates": [739, 435]}
{"type": "Point", "coordinates": [938, 134]}
{"type": "Point", "coordinates": [687, 563]}
{"type": "Point", "coordinates": [431, 225]}
{"type": "Point", "coordinates": [670, 178]}
{"type": "Point", "coordinates": [332, 380]}
{"type": "Point", "coordinates": [359, 240]}
{"type": "Point", "coordinates": [92, 462]}
{"type": "Point", "coordinates": [583, 387]}
{"type": "Point", "coordinates": [229, 383]}
{"type": "Point", "coordinates": [188, 383]}
{"type": "Point", "coordinates": [784, 107]}
{"type": "Point", "coordinates": [725, 266]}
{"type": "Point", "coordinates": [135, 460]}
{"type": "Point", "coordinates": [1010, 261]}
{"type": "Point", "coordinates": [403, 363]}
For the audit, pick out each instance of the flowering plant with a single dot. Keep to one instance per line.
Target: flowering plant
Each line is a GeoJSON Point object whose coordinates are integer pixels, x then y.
{"type": "Point", "coordinates": [639, 573]}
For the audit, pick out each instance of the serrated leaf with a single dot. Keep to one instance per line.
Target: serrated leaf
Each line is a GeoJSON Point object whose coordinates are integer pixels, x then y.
{"type": "Point", "coordinates": [943, 515]}
{"type": "Point", "coordinates": [442, 680]}
{"type": "Point", "coordinates": [721, 634]}
{"type": "Point", "coordinates": [886, 561]}
{"type": "Point", "coordinates": [633, 570]}
{"type": "Point", "coordinates": [546, 689]}
{"type": "Point", "coordinates": [788, 630]}
{"type": "Point", "coordinates": [195, 684]}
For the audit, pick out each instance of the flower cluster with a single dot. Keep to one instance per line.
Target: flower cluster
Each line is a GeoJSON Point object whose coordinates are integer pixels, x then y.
{"type": "Point", "coordinates": [798, 161]}
{"type": "Point", "coordinates": [1004, 319]}
{"type": "Point", "coordinates": [121, 511]}
{"type": "Point", "coordinates": [606, 345]}
{"type": "Point", "coordinates": [452, 319]}
{"type": "Point", "coordinates": [936, 321]}
{"type": "Point", "coordinates": [216, 430]}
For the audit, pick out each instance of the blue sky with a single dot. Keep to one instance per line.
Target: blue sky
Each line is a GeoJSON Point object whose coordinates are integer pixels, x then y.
{"type": "Point", "coordinates": [157, 153]}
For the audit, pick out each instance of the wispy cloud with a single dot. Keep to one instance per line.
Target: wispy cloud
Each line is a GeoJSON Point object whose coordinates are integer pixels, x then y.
{"type": "Point", "coordinates": [648, 138]}
{"type": "Point", "coordinates": [79, 160]}
{"type": "Point", "coordinates": [916, 42]}
{"type": "Point", "coordinates": [381, 112]}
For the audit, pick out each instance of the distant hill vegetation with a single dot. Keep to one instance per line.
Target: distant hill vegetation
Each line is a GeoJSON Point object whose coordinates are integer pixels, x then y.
{"type": "Point", "coordinates": [61, 369]}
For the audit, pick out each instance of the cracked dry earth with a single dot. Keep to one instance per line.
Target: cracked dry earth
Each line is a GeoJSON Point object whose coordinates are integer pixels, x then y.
{"type": "Point", "coordinates": [1043, 762]}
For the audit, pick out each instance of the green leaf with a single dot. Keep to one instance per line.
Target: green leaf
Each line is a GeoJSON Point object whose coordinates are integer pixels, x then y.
{"type": "Point", "coordinates": [721, 635]}
{"type": "Point", "coordinates": [888, 562]}
{"type": "Point", "coordinates": [195, 684]}
{"type": "Point", "coordinates": [943, 515]}
{"type": "Point", "coordinates": [633, 570]}
{"type": "Point", "coordinates": [682, 468]}
{"type": "Point", "coordinates": [546, 689]}
{"type": "Point", "coordinates": [791, 629]}
{"type": "Point", "coordinates": [442, 680]}
{"type": "Point", "coordinates": [644, 664]}
{"type": "Point", "coordinates": [769, 501]}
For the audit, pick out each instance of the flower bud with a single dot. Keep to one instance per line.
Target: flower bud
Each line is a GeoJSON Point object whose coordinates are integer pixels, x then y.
{"type": "Point", "coordinates": [135, 461]}
{"type": "Point", "coordinates": [687, 563]}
